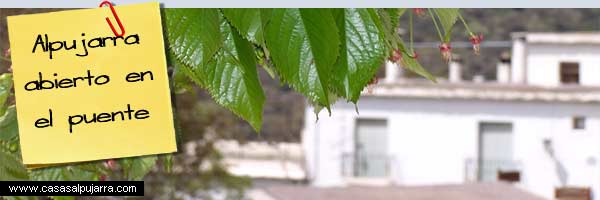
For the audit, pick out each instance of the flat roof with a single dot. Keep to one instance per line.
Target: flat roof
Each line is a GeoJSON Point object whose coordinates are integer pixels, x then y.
{"type": "Point", "coordinates": [486, 91]}
{"type": "Point", "coordinates": [559, 38]}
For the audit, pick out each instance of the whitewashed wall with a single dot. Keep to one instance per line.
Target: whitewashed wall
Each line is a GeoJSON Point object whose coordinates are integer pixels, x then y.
{"type": "Point", "coordinates": [430, 140]}
{"type": "Point", "coordinates": [543, 61]}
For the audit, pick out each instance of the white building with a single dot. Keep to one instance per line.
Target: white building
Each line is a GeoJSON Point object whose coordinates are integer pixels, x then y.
{"type": "Point", "coordinates": [539, 122]}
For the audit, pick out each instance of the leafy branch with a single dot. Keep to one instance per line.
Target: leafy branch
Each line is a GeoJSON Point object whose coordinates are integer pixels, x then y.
{"type": "Point", "coordinates": [324, 54]}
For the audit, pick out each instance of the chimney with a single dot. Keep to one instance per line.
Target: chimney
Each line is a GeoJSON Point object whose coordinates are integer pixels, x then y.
{"type": "Point", "coordinates": [455, 69]}
{"type": "Point", "coordinates": [478, 78]}
{"type": "Point", "coordinates": [393, 72]}
{"type": "Point", "coordinates": [518, 64]}
{"type": "Point", "coordinates": [503, 68]}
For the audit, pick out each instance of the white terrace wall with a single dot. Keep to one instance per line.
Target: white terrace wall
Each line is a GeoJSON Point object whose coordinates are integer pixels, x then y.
{"type": "Point", "coordinates": [542, 61]}
{"type": "Point", "coordinates": [431, 140]}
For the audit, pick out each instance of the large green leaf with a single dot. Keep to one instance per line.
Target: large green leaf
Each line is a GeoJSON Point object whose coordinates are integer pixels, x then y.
{"type": "Point", "coordinates": [232, 78]}
{"type": "Point", "coordinates": [5, 85]}
{"type": "Point", "coordinates": [362, 51]}
{"type": "Point", "coordinates": [8, 124]}
{"type": "Point", "coordinates": [248, 21]}
{"type": "Point", "coordinates": [11, 168]}
{"type": "Point", "coordinates": [136, 168]}
{"type": "Point", "coordinates": [304, 46]}
{"type": "Point", "coordinates": [447, 18]}
{"type": "Point", "coordinates": [193, 34]}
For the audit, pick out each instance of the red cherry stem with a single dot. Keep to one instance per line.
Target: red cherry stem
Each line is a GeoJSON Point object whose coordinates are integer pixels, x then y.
{"type": "Point", "coordinates": [466, 25]}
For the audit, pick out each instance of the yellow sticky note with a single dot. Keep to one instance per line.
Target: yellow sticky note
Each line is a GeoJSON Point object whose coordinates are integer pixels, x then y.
{"type": "Point", "coordinates": [84, 94]}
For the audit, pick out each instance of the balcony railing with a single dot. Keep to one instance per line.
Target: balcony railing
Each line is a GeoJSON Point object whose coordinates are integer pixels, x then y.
{"type": "Point", "coordinates": [366, 165]}
{"type": "Point", "coordinates": [492, 170]}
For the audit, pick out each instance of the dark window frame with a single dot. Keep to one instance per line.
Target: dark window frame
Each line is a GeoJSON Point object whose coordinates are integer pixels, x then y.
{"type": "Point", "coordinates": [569, 73]}
{"type": "Point", "coordinates": [578, 123]}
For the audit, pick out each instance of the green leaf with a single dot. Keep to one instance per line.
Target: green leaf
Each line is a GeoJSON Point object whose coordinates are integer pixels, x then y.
{"type": "Point", "coordinates": [233, 79]}
{"type": "Point", "coordinates": [395, 42]}
{"type": "Point", "coordinates": [248, 21]}
{"type": "Point", "coordinates": [193, 34]}
{"type": "Point", "coordinates": [304, 46]}
{"type": "Point", "coordinates": [389, 26]}
{"type": "Point", "coordinates": [8, 124]}
{"type": "Point", "coordinates": [395, 14]}
{"type": "Point", "coordinates": [11, 169]}
{"type": "Point", "coordinates": [167, 161]}
{"type": "Point", "coordinates": [138, 167]}
{"type": "Point", "coordinates": [413, 65]}
{"type": "Point", "coordinates": [6, 80]}
{"type": "Point", "coordinates": [230, 77]}
{"type": "Point", "coordinates": [362, 51]}
{"type": "Point", "coordinates": [447, 18]}
{"type": "Point", "coordinates": [47, 174]}
{"type": "Point", "coordinates": [181, 82]}
{"type": "Point", "coordinates": [265, 16]}
{"type": "Point", "coordinates": [75, 172]}
{"type": "Point", "coordinates": [5, 86]}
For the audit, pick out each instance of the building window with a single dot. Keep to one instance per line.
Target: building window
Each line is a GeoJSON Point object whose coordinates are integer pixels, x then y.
{"type": "Point", "coordinates": [579, 122]}
{"type": "Point", "coordinates": [370, 159]}
{"type": "Point", "coordinates": [569, 73]}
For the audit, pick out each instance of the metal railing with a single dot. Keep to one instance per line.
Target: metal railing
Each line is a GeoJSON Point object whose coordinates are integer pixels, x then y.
{"type": "Point", "coordinates": [366, 165]}
{"type": "Point", "coordinates": [489, 169]}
